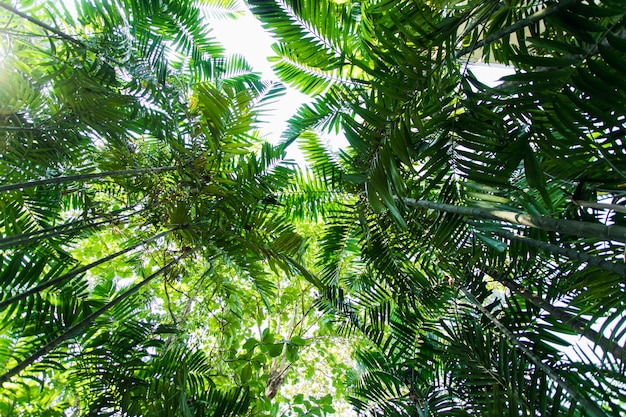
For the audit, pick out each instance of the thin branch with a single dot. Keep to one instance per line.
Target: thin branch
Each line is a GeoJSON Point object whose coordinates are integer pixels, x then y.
{"type": "Point", "coordinates": [84, 177]}
{"type": "Point", "coordinates": [44, 25]}
{"type": "Point", "coordinates": [589, 406]}
{"type": "Point", "coordinates": [619, 269]}
{"type": "Point", "coordinates": [599, 206]}
{"type": "Point", "coordinates": [581, 57]}
{"type": "Point", "coordinates": [74, 330]}
{"type": "Point", "coordinates": [80, 270]}
{"type": "Point", "coordinates": [569, 320]}
{"type": "Point", "coordinates": [169, 303]}
{"type": "Point", "coordinates": [66, 229]}
{"type": "Point", "coordinates": [520, 24]}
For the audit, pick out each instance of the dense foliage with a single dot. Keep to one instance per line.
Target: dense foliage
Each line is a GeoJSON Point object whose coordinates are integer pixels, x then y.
{"type": "Point", "coordinates": [159, 258]}
{"type": "Point", "coordinates": [486, 231]}
{"type": "Point", "coordinates": [145, 268]}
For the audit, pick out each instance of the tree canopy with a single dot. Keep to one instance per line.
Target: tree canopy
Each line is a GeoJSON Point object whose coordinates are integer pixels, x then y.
{"type": "Point", "coordinates": [464, 255]}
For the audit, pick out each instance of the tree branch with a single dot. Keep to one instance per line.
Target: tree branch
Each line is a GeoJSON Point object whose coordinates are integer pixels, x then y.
{"type": "Point", "coordinates": [69, 229]}
{"type": "Point", "coordinates": [589, 406]}
{"type": "Point", "coordinates": [84, 177]}
{"type": "Point", "coordinates": [569, 227]}
{"type": "Point", "coordinates": [80, 270]}
{"type": "Point", "coordinates": [44, 25]}
{"type": "Point", "coordinates": [599, 206]}
{"type": "Point", "coordinates": [618, 269]}
{"type": "Point", "coordinates": [74, 330]}
{"type": "Point", "coordinates": [534, 18]}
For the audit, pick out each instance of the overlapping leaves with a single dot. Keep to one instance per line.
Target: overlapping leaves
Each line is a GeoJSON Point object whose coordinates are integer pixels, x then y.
{"type": "Point", "coordinates": [447, 159]}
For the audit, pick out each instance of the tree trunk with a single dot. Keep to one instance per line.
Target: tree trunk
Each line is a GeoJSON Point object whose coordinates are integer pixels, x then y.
{"type": "Point", "coordinates": [569, 227]}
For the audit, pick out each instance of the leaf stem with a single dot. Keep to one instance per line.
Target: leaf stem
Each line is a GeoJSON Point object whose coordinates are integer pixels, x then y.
{"type": "Point", "coordinates": [520, 24]}
{"type": "Point", "coordinates": [619, 269]}
{"type": "Point", "coordinates": [44, 25]}
{"type": "Point", "coordinates": [572, 322]}
{"type": "Point", "coordinates": [85, 177]}
{"type": "Point", "coordinates": [70, 228]}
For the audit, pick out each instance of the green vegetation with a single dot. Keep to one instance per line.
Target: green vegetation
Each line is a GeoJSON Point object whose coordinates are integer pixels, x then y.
{"type": "Point", "coordinates": [159, 258]}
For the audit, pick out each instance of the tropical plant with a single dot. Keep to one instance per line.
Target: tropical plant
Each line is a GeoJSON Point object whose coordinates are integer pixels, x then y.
{"type": "Point", "coordinates": [485, 224]}
{"type": "Point", "coordinates": [137, 217]}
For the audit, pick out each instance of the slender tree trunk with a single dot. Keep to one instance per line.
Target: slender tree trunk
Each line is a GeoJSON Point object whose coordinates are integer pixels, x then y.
{"type": "Point", "coordinates": [77, 328]}
{"type": "Point", "coordinates": [599, 206]}
{"type": "Point", "coordinates": [80, 270]}
{"type": "Point", "coordinates": [589, 406]}
{"type": "Point", "coordinates": [619, 269]}
{"type": "Point", "coordinates": [85, 177]}
{"type": "Point", "coordinates": [66, 229]}
{"type": "Point", "coordinates": [569, 227]}
{"type": "Point", "coordinates": [572, 322]}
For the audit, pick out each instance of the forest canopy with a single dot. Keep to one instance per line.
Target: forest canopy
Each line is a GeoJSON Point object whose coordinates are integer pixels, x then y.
{"type": "Point", "coordinates": [463, 255]}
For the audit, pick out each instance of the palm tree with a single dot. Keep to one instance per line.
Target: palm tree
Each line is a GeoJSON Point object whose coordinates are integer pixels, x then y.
{"type": "Point", "coordinates": [130, 167]}
{"type": "Point", "coordinates": [473, 206]}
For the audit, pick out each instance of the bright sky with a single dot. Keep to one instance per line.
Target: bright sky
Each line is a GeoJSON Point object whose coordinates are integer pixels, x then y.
{"type": "Point", "coordinates": [246, 36]}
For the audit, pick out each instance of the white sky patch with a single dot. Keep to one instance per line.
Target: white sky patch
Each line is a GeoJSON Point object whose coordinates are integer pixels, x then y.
{"type": "Point", "coordinates": [246, 36]}
{"type": "Point", "coordinates": [490, 74]}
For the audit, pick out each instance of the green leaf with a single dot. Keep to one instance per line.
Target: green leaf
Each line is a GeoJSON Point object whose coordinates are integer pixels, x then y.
{"type": "Point", "coordinates": [298, 341]}
{"type": "Point", "coordinates": [291, 353]}
{"type": "Point", "coordinates": [555, 45]}
{"type": "Point", "coordinates": [534, 173]}
{"type": "Point", "coordinates": [611, 57]}
{"type": "Point", "coordinates": [267, 337]}
{"type": "Point", "coordinates": [492, 243]}
{"type": "Point", "coordinates": [246, 374]}
{"type": "Point", "coordinates": [250, 344]}
{"type": "Point", "coordinates": [275, 349]}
